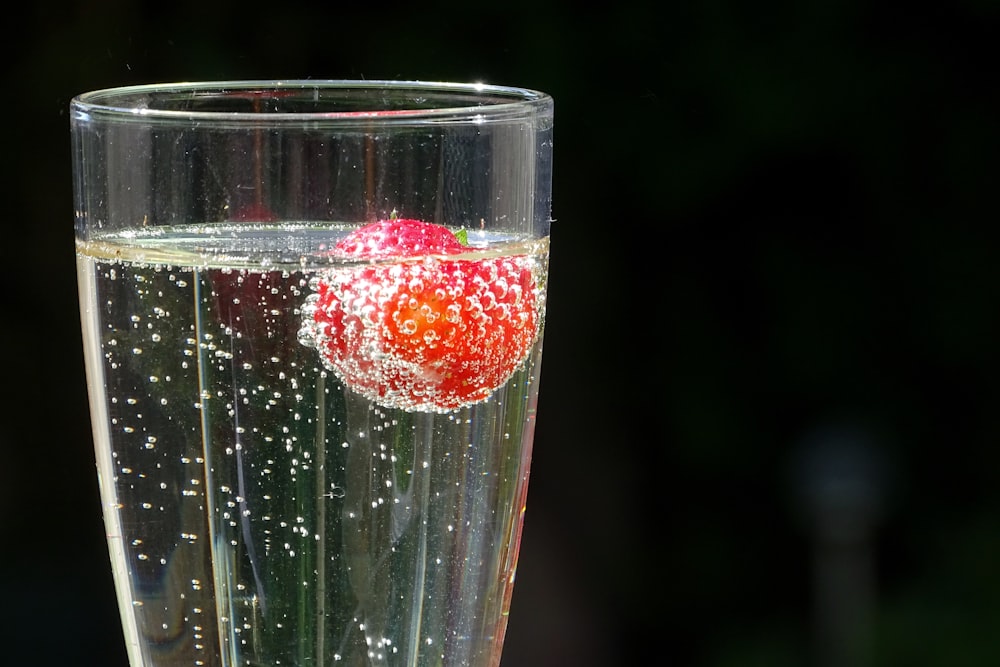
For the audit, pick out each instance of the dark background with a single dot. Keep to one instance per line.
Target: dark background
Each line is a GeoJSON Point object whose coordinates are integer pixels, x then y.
{"type": "Point", "coordinates": [768, 430]}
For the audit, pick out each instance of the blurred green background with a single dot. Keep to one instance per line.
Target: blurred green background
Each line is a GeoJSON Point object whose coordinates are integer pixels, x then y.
{"type": "Point", "coordinates": [768, 431]}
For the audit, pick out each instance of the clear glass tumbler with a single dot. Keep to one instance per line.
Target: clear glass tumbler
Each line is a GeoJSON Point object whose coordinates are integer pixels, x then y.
{"type": "Point", "coordinates": [312, 317]}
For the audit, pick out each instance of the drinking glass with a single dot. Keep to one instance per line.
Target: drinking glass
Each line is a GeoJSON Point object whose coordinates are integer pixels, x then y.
{"type": "Point", "coordinates": [312, 315]}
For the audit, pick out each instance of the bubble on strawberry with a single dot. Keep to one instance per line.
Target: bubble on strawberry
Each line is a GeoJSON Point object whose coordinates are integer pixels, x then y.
{"type": "Point", "coordinates": [432, 334]}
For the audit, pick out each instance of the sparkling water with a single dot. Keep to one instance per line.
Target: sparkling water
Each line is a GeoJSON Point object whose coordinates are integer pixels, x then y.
{"type": "Point", "coordinates": [259, 511]}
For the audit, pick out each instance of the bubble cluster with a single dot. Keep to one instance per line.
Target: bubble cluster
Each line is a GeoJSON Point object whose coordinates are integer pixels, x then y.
{"type": "Point", "coordinates": [429, 336]}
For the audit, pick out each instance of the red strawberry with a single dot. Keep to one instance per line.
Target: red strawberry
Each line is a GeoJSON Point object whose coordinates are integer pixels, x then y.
{"type": "Point", "coordinates": [399, 238]}
{"type": "Point", "coordinates": [430, 333]}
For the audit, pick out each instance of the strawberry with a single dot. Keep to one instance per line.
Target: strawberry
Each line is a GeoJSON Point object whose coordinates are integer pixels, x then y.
{"type": "Point", "coordinates": [418, 329]}
{"type": "Point", "coordinates": [399, 238]}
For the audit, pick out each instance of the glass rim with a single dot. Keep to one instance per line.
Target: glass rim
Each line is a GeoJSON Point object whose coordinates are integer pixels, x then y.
{"type": "Point", "coordinates": [483, 102]}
